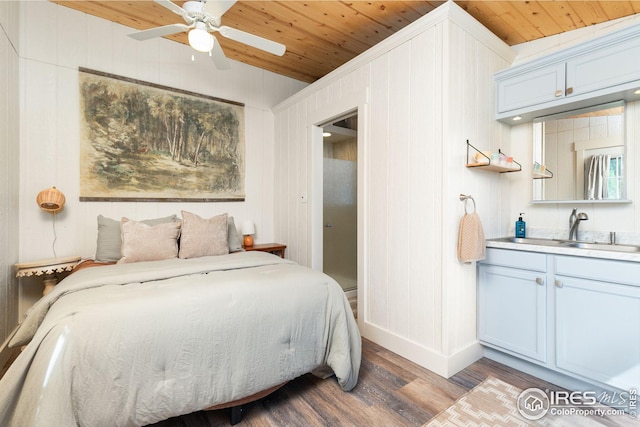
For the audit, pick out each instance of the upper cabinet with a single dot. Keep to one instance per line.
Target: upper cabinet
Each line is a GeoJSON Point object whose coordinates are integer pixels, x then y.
{"type": "Point", "coordinates": [601, 70]}
{"type": "Point", "coordinates": [605, 67]}
{"type": "Point", "coordinates": [531, 88]}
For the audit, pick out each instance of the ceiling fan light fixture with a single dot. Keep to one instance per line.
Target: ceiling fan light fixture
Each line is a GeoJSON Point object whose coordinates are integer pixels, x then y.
{"type": "Point", "coordinates": [200, 39]}
{"type": "Point", "coordinates": [202, 17]}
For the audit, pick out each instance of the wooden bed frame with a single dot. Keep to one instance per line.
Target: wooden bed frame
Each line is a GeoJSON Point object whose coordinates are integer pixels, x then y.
{"type": "Point", "coordinates": [236, 405]}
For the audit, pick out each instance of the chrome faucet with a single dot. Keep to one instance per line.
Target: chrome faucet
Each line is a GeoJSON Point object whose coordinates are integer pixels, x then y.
{"type": "Point", "coordinates": [572, 218]}
{"type": "Point", "coordinates": [574, 222]}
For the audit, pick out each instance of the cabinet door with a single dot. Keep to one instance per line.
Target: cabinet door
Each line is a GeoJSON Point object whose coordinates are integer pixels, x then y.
{"type": "Point", "coordinates": [512, 310]}
{"type": "Point", "coordinates": [597, 330]}
{"type": "Point", "coordinates": [531, 88]}
{"type": "Point", "coordinates": [604, 68]}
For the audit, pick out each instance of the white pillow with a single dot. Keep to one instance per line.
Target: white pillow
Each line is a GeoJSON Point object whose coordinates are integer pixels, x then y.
{"type": "Point", "coordinates": [144, 242]}
{"type": "Point", "coordinates": [203, 237]}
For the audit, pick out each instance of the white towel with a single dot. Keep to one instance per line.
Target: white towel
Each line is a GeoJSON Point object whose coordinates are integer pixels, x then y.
{"type": "Point", "coordinates": [471, 245]}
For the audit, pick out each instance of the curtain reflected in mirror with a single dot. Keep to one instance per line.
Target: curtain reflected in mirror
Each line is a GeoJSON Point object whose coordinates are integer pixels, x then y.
{"type": "Point", "coordinates": [604, 177]}
{"type": "Point", "coordinates": [585, 151]}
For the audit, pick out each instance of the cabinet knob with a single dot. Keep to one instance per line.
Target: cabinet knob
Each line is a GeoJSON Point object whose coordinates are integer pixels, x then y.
{"type": "Point", "coordinates": [559, 284]}
{"type": "Point", "coordinates": [569, 90]}
{"type": "Point", "coordinates": [539, 280]}
{"type": "Point", "coordinates": [558, 92]}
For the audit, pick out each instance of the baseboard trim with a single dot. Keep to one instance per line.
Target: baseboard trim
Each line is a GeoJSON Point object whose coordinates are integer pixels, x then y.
{"type": "Point", "coordinates": [443, 365]}
{"type": "Point", "coordinates": [464, 357]}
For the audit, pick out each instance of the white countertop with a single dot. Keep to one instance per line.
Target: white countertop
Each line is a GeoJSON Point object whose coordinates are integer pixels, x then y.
{"type": "Point", "coordinates": [563, 250]}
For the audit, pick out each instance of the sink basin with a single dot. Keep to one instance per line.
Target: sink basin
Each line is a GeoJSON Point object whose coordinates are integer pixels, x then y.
{"type": "Point", "coordinates": [603, 247]}
{"type": "Point", "coordinates": [570, 244]}
{"type": "Point", "coordinates": [530, 241]}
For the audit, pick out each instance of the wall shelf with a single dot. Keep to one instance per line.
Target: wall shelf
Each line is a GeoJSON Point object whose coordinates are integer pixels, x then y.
{"type": "Point", "coordinates": [488, 165]}
{"type": "Point", "coordinates": [543, 175]}
{"type": "Point", "coordinates": [541, 172]}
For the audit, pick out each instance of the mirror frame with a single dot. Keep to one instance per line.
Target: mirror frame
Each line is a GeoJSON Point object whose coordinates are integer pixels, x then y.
{"type": "Point", "coordinates": [538, 151]}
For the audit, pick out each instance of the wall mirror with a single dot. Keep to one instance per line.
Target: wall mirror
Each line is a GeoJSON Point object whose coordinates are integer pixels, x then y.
{"type": "Point", "coordinates": [579, 156]}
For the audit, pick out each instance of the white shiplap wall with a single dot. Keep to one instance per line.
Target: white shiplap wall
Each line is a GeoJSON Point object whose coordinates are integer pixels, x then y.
{"type": "Point", "coordinates": [9, 166]}
{"type": "Point", "coordinates": [420, 94]}
{"type": "Point", "coordinates": [58, 40]}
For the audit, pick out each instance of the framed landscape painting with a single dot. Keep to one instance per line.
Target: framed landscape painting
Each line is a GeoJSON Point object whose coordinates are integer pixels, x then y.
{"type": "Point", "coordinates": [145, 142]}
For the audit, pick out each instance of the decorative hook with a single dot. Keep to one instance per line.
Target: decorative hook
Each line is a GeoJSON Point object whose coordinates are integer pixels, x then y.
{"type": "Point", "coordinates": [464, 198]}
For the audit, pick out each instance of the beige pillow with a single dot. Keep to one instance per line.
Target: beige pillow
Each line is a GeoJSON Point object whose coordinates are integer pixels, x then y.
{"type": "Point", "coordinates": [144, 242]}
{"type": "Point", "coordinates": [109, 236]}
{"type": "Point", "coordinates": [203, 237]}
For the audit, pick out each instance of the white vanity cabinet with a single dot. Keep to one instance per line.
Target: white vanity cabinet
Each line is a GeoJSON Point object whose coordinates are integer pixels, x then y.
{"type": "Point", "coordinates": [590, 73]}
{"type": "Point", "coordinates": [576, 316]}
{"type": "Point", "coordinates": [512, 305]}
{"type": "Point", "coordinates": [597, 320]}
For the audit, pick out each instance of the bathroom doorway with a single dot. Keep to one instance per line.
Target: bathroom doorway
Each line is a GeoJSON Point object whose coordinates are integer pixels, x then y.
{"type": "Point", "coordinates": [340, 203]}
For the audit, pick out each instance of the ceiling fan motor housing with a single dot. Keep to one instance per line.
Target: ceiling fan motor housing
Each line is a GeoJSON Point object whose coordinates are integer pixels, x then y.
{"type": "Point", "coordinates": [195, 9]}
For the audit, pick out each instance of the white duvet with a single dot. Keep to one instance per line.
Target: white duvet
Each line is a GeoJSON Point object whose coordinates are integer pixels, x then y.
{"type": "Point", "coordinates": [133, 344]}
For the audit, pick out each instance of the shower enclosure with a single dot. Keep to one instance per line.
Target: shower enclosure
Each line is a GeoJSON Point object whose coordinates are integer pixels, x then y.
{"type": "Point", "coordinates": [340, 222]}
{"type": "Point", "coordinates": [340, 209]}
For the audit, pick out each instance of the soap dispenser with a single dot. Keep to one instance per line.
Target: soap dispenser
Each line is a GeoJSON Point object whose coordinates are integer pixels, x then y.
{"type": "Point", "coordinates": [521, 227]}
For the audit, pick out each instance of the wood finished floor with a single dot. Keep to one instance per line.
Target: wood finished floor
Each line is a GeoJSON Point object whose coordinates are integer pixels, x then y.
{"type": "Point", "coordinates": [391, 391]}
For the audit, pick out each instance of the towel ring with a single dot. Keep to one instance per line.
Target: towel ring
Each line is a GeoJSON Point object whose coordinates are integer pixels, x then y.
{"type": "Point", "coordinates": [464, 198]}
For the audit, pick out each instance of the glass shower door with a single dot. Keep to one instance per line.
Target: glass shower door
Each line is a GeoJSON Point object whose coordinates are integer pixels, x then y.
{"type": "Point", "coordinates": [340, 230]}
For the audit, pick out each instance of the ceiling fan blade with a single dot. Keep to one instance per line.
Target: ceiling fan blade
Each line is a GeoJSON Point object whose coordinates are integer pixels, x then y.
{"type": "Point", "coordinates": [253, 40]}
{"type": "Point", "coordinates": [175, 9]}
{"type": "Point", "coordinates": [217, 8]}
{"type": "Point", "coordinates": [160, 31]}
{"type": "Point", "coordinates": [218, 56]}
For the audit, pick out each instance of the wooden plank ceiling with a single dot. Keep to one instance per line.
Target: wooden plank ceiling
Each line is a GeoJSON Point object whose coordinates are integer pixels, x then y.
{"type": "Point", "coordinates": [322, 35]}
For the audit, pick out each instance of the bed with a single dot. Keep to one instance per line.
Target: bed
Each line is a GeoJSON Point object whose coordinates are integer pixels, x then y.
{"type": "Point", "coordinates": [131, 344]}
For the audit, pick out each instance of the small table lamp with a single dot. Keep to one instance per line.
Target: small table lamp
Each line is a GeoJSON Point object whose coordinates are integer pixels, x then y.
{"type": "Point", "coordinates": [247, 230]}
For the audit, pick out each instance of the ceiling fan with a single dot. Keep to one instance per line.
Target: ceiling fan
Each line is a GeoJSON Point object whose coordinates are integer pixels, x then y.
{"type": "Point", "coordinates": [202, 18]}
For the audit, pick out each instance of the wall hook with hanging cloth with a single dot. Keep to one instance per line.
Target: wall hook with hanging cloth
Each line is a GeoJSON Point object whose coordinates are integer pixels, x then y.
{"type": "Point", "coordinates": [471, 244]}
{"type": "Point", "coordinates": [464, 198]}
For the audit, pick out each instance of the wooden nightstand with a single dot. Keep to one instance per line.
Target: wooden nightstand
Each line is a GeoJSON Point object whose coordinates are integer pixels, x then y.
{"type": "Point", "coordinates": [274, 248]}
{"type": "Point", "coordinates": [47, 267]}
